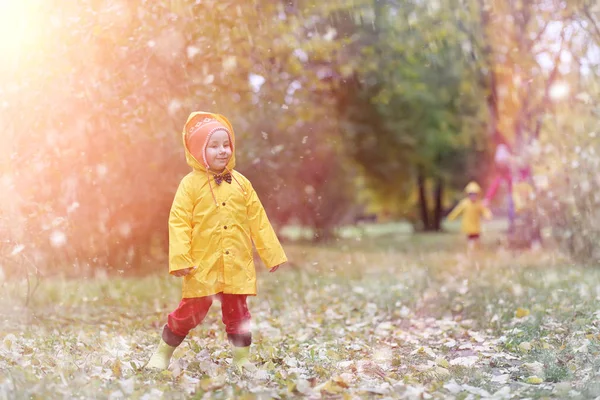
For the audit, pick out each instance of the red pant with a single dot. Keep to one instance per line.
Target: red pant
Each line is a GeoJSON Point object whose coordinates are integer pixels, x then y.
{"type": "Point", "coordinates": [191, 312]}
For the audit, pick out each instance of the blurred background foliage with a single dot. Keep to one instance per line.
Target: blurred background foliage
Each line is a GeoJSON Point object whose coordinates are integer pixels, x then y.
{"type": "Point", "coordinates": [344, 110]}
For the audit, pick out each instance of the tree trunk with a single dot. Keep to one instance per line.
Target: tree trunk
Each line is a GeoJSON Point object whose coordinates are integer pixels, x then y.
{"type": "Point", "coordinates": [423, 201]}
{"type": "Point", "coordinates": [489, 81]}
{"type": "Point", "coordinates": [437, 216]}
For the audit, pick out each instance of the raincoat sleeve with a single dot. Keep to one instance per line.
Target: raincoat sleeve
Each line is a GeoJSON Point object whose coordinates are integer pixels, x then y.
{"type": "Point", "coordinates": [460, 207]}
{"type": "Point", "coordinates": [265, 240]}
{"type": "Point", "coordinates": [180, 229]}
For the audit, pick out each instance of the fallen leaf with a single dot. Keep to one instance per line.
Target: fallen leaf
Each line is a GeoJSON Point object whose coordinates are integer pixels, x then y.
{"type": "Point", "coordinates": [330, 387]}
{"type": "Point", "coordinates": [476, 391]}
{"type": "Point", "coordinates": [127, 385]}
{"type": "Point", "coordinates": [453, 387]}
{"type": "Point", "coordinates": [341, 381]}
{"type": "Point", "coordinates": [440, 373]}
{"type": "Point", "coordinates": [382, 389]}
{"type": "Point", "coordinates": [525, 347]}
{"type": "Point", "coordinates": [209, 384]}
{"type": "Point", "coordinates": [522, 312]}
{"type": "Point", "coordinates": [261, 375]}
{"type": "Point", "coordinates": [303, 386]}
{"type": "Point", "coordinates": [502, 394]}
{"type": "Point", "coordinates": [291, 362]}
{"type": "Point", "coordinates": [562, 388]}
{"type": "Point", "coordinates": [465, 361]}
{"type": "Point", "coordinates": [116, 368]}
{"type": "Point", "coordinates": [503, 378]}
{"type": "Point", "coordinates": [442, 362]}
{"type": "Point", "coordinates": [535, 368]}
{"type": "Point", "coordinates": [534, 380]}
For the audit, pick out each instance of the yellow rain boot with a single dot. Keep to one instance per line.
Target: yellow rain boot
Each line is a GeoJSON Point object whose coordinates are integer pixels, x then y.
{"type": "Point", "coordinates": [241, 359]}
{"type": "Point", "coordinates": [161, 357]}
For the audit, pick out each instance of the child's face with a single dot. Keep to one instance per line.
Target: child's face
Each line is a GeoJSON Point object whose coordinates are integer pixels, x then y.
{"type": "Point", "coordinates": [218, 151]}
{"type": "Point", "coordinates": [473, 196]}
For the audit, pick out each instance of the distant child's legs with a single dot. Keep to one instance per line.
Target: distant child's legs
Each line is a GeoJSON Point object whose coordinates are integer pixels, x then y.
{"type": "Point", "coordinates": [472, 242]}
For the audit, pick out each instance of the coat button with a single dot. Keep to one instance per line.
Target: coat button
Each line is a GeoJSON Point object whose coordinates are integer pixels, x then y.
{"type": "Point", "coordinates": [227, 252]}
{"type": "Point", "coordinates": [225, 227]}
{"type": "Point", "coordinates": [223, 203]}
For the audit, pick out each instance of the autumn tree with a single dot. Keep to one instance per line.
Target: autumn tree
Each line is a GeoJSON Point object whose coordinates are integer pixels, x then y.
{"type": "Point", "coordinates": [93, 108]}
{"type": "Point", "coordinates": [413, 117]}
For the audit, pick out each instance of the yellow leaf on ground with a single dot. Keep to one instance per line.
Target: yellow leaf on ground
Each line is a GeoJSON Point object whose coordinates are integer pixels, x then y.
{"type": "Point", "coordinates": [332, 388]}
{"type": "Point", "coordinates": [209, 384]}
{"type": "Point", "coordinates": [441, 373]}
{"type": "Point", "coordinates": [340, 381]}
{"type": "Point", "coordinates": [205, 384]}
{"type": "Point", "coordinates": [116, 369]}
{"type": "Point", "coordinates": [442, 362]}
{"type": "Point", "coordinates": [291, 386]}
{"type": "Point", "coordinates": [522, 312]}
{"type": "Point", "coordinates": [534, 380]}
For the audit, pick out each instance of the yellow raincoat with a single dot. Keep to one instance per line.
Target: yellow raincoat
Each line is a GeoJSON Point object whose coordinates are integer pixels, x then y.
{"type": "Point", "coordinates": [473, 212]}
{"type": "Point", "coordinates": [216, 233]}
{"type": "Point", "coordinates": [523, 195]}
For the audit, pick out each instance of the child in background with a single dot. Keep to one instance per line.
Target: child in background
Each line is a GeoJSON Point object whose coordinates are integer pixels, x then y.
{"type": "Point", "coordinates": [527, 232]}
{"type": "Point", "coordinates": [523, 192]}
{"type": "Point", "coordinates": [215, 218]}
{"type": "Point", "coordinates": [473, 210]}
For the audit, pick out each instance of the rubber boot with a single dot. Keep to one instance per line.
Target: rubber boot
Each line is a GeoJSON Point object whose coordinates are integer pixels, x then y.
{"type": "Point", "coordinates": [241, 359]}
{"type": "Point", "coordinates": [161, 357]}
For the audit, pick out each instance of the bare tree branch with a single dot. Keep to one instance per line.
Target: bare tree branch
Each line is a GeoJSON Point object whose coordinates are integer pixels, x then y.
{"type": "Point", "coordinates": [549, 82]}
{"type": "Point", "coordinates": [592, 20]}
{"type": "Point", "coordinates": [492, 97]}
{"type": "Point", "coordinates": [540, 33]}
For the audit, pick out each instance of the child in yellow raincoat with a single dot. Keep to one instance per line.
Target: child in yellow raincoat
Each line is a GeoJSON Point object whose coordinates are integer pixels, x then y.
{"type": "Point", "coordinates": [523, 192]}
{"type": "Point", "coordinates": [472, 210]}
{"type": "Point", "coordinates": [527, 228]}
{"type": "Point", "coordinates": [215, 218]}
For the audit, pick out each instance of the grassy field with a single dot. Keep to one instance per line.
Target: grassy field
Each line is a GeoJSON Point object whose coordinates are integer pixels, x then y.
{"type": "Point", "coordinates": [378, 314]}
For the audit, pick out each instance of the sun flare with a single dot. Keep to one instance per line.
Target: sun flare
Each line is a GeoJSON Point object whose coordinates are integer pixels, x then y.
{"type": "Point", "coordinates": [18, 26]}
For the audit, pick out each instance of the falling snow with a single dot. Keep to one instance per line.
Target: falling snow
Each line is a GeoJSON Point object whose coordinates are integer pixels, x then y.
{"type": "Point", "coordinates": [58, 239]}
{"type": "Point", "coordinates": [256, 82]}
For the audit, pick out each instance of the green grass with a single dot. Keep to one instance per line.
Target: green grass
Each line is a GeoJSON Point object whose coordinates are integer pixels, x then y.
{"type": "Point", "coordinates": [378, 313]}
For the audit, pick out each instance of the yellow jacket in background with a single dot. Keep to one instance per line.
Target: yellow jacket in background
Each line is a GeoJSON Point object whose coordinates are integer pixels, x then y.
{"type": "Point", "coordinates": [472, 212]}
{"type": "Point", "coordinates": [523, 194]}
{"type": "Point", "coordinates": [216, 233]}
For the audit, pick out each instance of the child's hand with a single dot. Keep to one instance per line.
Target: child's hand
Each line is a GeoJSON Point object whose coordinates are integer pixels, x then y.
{"type": "Point", "coordinates": [275, 268]}
{"type": "Point", "coordinates": [184, 272]}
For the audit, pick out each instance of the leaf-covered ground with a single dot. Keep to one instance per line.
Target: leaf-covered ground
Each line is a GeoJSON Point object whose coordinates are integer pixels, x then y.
{"type": "Point", "coordinates": [402, 317]}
